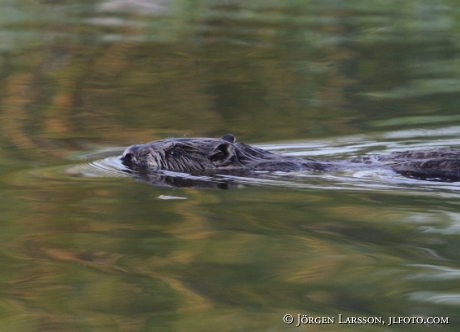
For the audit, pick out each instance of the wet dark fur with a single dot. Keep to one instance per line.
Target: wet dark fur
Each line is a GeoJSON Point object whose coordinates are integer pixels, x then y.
{"type": "Point", "coordinates": [197, 155]}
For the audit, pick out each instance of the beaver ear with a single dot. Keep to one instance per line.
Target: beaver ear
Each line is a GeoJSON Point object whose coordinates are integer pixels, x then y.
{"type": "Point", "coordinates": [229, 138]}
{"type": "Point", "coordinates": [222, 154]}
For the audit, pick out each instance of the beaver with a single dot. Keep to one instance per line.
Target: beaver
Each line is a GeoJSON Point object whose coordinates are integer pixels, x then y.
{"type": "Point", "coordinates": [198, 155]}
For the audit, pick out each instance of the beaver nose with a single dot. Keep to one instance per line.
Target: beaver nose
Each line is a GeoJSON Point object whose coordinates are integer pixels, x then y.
{"type": "Point", "coordinates": [130, 153]}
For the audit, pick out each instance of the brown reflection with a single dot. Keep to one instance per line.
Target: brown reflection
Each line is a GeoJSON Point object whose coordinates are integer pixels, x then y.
{"type": "Point", "coordinates": [19, 93]}
{"type": "Point", "coordinates": [105, 254]}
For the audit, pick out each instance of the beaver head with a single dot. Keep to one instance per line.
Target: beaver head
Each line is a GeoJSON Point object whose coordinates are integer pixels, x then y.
{"type": "Point", "coordinates": [191, 154]}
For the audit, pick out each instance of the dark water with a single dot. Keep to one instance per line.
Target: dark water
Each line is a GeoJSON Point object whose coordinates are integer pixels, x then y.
{"type": "Point", "coordinates": [84, 247]}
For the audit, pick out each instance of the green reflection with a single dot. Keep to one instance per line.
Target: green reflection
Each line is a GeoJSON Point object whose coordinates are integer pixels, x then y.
{"type": "Point", "coordinates": [106, 254]}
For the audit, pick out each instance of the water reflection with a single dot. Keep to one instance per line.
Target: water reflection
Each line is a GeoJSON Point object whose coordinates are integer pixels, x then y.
{"type": "Point", "coordinates": [432, 272]}
{"type": "Point", "coordinates": [84, 247]}
{"type": "Point", "coordinates": [452, 227]}
{"type": "Point", "coordinates": [208, 68]}
{"type": "Point", "coordinates": [436, 298]}
{"type": "Point", "coordinates": [142, 7]}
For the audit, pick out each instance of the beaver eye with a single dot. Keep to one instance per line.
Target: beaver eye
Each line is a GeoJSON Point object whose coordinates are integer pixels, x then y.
{"type": "Point", "coordinates": [174, 152]}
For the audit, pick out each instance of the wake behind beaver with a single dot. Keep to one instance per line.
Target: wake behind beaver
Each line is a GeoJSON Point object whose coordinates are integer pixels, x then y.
{"type": "Point", "coordinates": [204, 155]}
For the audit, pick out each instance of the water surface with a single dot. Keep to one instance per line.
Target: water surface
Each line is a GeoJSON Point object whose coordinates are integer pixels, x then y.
{"type": "Point", "coordinates": [85, 247]}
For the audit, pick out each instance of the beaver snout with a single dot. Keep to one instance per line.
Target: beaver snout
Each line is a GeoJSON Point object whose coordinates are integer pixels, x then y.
{"type": "Point", "coordinates": [129, 155]}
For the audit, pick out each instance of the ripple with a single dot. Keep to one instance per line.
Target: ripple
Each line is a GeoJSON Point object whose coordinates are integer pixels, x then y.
{"type": "Point", "coordinates": [432, 272]}
{"type": "Point", "coordinates": [107, 167]}
{"type": "Point", "coordinates": [436, 298]}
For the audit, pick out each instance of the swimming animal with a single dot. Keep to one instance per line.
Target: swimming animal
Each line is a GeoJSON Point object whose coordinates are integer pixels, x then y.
{"type": "Point", "coordinates": [198, 155]}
